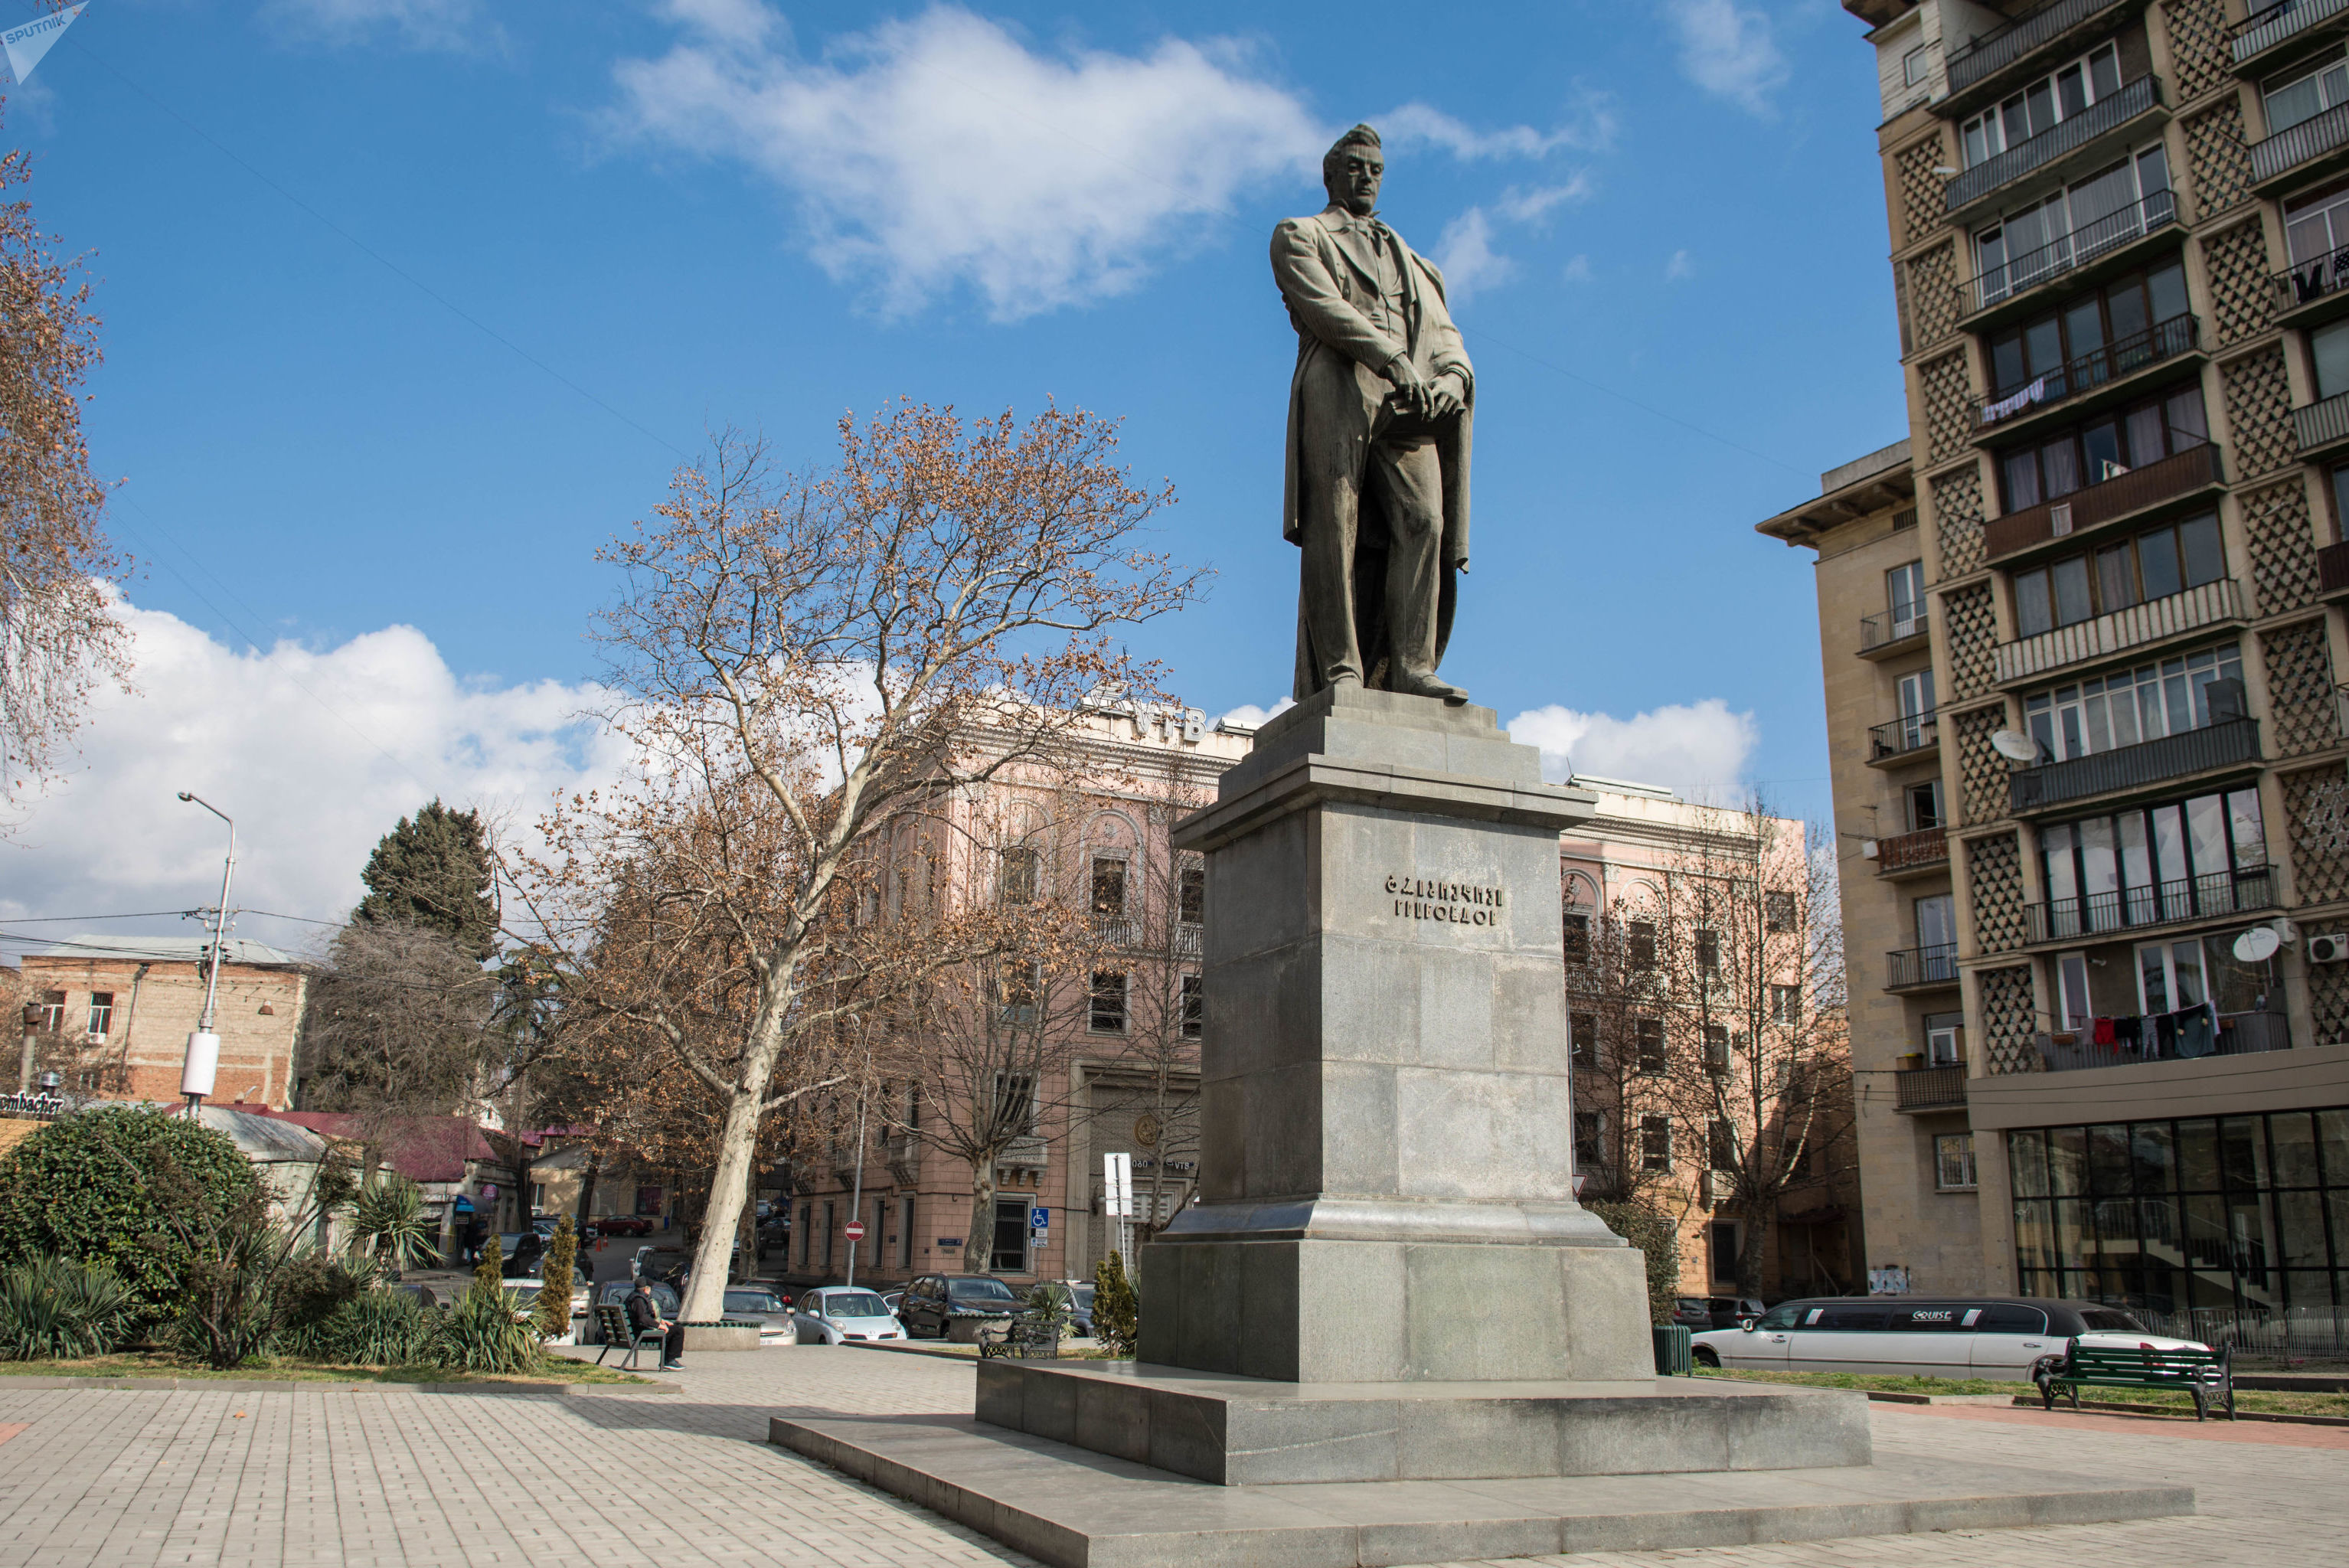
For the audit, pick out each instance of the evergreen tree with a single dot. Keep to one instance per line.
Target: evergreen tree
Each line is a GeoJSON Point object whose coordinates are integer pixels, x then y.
{"type": "Point", "coordinates": [433, 871]}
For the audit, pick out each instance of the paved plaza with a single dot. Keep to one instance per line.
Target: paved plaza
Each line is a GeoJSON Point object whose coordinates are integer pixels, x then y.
{"type": "Point", "coordinates": [130, 1478]}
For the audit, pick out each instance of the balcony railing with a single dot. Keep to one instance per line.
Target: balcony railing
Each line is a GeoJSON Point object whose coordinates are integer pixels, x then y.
{"type": "Point", "coordinates": [2322, 423]}
{"type": "Point", "coordinates": [1909, 732]}
{"type": "Point", "coordinates": [1187, 939]}
{"type": "Point", "coordinates": [2165, 903]}
{"type": "Point", "coordinates": [2264, 28]}
{"type": "Point", "coordinates": [1912, 851]}
{"type": "Point", "coordinates": [2288, 149]}
{"type": "Point", "coordinates": [2063, 137]}
{"type": "Point", "coordinates": [2076, 249]}
{"type": "Point", "coordinates": [2002, 46]}
{"type": "Point", "coordinates": [2179, 474]}
{"type": "Point", "coordinates": [2310, 281]}
{"type": "Point", "coordinates": [1935, 965]}
{"type": "Point", "coordinates": [2092, 370]}
{"type": "Point", "coordinates": [1889, 626]}
{"type": "Point", "coordinates": [2130, 766]}
{"type": "Point", "coordinates": [2120, 631]}
{"type": "Point", "coordinates": [1929, 1088]}
{"type": "Point", "coordinates": [2333, 567]}
{"type": "Point", "coordinates": [2238, 1034]}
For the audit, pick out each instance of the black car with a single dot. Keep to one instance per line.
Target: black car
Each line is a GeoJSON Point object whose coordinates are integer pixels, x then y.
{"type": "Point", "coordinates": [954, 1306]}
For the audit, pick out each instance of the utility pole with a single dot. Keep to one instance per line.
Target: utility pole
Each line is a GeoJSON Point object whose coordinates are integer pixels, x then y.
{"type": "Point", "coordinates": [203, 1046]}
{"type": "Point", "coordinates": [857, 1195]}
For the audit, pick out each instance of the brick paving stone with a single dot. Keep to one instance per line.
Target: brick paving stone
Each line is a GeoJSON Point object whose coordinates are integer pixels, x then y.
{"type": "Point", "coordinates": [314, 1479]}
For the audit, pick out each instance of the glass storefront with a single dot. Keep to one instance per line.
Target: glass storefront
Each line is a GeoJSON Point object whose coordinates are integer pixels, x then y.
{"type": "Point", "coordinates": [2245, 1212]}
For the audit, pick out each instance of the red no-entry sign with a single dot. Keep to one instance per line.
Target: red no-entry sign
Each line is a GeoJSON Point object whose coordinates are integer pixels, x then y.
{"type": "Point", "coordinates": [855, 1229]}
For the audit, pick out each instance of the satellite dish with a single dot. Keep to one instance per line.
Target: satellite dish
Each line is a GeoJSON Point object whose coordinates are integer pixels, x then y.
{"type": "Point", "coordinates": [2258, 944]}
{"type": "Point", "coordinates": [2015, 746]}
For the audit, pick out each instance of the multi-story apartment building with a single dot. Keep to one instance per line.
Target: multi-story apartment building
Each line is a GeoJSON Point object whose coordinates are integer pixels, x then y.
{"type": "Point", "coordinates": [1668, 992]}
{"type": "Point", "coordinates": [1099, 1058]}
{"type": "Point", "coordinates": [2080, 636]}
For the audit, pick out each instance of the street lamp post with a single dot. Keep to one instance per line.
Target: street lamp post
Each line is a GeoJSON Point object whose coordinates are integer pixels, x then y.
{"type": "Point", "coordinates": [203, 1046]}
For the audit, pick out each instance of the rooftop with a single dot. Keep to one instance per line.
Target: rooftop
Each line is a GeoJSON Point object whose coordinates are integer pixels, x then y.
{"type": "Point", "coordinates": [1884, 477]}
{"type": "Point", "coordinates": [158, 949]}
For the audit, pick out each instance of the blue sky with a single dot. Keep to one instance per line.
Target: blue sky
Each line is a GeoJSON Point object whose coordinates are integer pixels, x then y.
{"type": "Point", "coordinates": [409, 302]}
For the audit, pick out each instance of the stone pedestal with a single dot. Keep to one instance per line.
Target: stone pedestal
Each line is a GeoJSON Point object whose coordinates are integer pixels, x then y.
{"type": "Point", "coordinates": [1386, 1111]}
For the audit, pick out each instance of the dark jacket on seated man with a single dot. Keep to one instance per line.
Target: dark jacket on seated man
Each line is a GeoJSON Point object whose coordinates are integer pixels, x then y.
{"type": "Point", "coordinates": [644, 1317]}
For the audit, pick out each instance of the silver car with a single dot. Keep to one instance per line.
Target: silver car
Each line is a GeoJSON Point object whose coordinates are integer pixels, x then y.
{"type": "Point", "coordinates": [754, 1304]}
{"type": "Point", "coordinates": [838, 1314]}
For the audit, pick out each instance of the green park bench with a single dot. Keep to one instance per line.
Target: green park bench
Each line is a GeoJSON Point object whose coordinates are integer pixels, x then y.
{"type": "Point", "coordinates": [2203, 1374]}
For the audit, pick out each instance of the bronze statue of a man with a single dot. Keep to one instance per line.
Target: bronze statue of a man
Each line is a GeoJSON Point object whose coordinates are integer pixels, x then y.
{"type": "Point", "coordinates": [1379, 415]}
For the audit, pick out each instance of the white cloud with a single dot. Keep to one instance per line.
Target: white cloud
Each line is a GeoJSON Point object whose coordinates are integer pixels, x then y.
{"type": "Point", "coordinates": [1466, 256]}
{"type": "Point", "coordinates": [1679, 266]}
{"type": "Point", "coordinates": [1248, 716]}
{"type": "Point", "coordinates": [454, 24]}
{"type": "Point", "coordinates": [1417, 123]}
{"type": "Point", "coordinates": [1533, 206]}
{"type": "Point", "coordinates": [1729, 51]}
{"type": "Point", "coordinates": [940, 151]}
{"type": "Point", "coordinates": [1578, 271]}
{"type": "Point", "coordinates": [293, 744]}
{"type": "Point", "coordinates": [1696, 749]}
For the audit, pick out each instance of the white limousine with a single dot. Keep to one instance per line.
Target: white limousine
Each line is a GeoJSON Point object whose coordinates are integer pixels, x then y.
{"type": "Point", "coordinates": [1996, 1337]}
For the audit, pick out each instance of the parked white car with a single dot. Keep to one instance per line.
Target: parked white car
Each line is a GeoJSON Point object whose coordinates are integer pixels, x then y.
{"type": "Point", "coordinates": [1915, 1337]}
{"type": "Point", "coordinates": [837, 1314]}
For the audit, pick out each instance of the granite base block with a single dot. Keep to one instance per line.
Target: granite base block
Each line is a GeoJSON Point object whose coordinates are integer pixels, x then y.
{"type": "Point", "coordinates": [1075, 1509]}
{"type": "Point", "coordinates": [1240, 1432]}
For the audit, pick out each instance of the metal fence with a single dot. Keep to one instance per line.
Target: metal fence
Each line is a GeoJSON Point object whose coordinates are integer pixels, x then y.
{"type": "Point", "coordinates": [2078, 248]}
{"type": "Point", "coordinates": [2293, 1332]}
{"type": "Point", "coordinates": [2188, 898]}
{"type": "Point", "coordinates": [2001, 47]}
{"type": "Point", "coordinates": [2064, 137]}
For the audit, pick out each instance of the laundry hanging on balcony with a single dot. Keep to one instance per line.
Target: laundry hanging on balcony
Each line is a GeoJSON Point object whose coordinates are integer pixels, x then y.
{"type": "Point", "coordinates": [1993, 412]}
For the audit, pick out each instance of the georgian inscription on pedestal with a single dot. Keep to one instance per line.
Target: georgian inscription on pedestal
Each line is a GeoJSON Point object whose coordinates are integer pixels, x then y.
{"type": "Point", "coordinates": [1457, 904]}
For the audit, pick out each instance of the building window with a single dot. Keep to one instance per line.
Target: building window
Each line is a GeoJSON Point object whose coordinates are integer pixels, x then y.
{"type": "Point", "coordinates": [2225, 1213]}
{"type": "Point", "coordinates": [1656, 1142]}
{"type": "Point", "coordinates": [1922, 805]}
{"type": "Point", "coordinates": [101, 1014]}
{"type": "Point", "coordinates": [2306, 91]}
{"type": "Point", "coordinates": [2093, 336]}
{"type": "Point", "coordinates": [1708, 952]}
{"type": "Point", "coordinates": [2155, 564]}
{"type": "Point", "coordinates": [1015, 1105]}
{"type": "Point", "coordinates": [1021, 874]}
{"type": "Point", "coordinates": [1954, 1163]}
{"type": "Point", "coordinates": [2043, 105]}
{"type": "Point", "coordinates": [1716, 1048]}
{"type": "Point", "coordinates": [538, 1197]}
{"type": "Point", "coordinates": [53, 1012]}
{"type": "Point", "coordinates": [1010, 1250]}
{"type": "Point", "coordinates": [2143, 704]}
{"type": "Point", "coordinates": [1641, 943]}
{"type": "Point", "coordinates": [1914, 65]}
{"type": "Point", "coordinates": [2153, 863]}
{"type": "Point", "coordinates": [1904, 594]}
{"type": "Point", "coordinates": [1107, 1016]}
{"type": "Point", "coordinates": [1781, 911]}
{"type": "Point", "coordinates": [1019, 983]}
{"type": "Point", "coordinates": [1786, 1004]}
{"type": "Point", "coordinates": [1648, 1036]}
{"type": "Point", "coordinates": [1720, 1245]}
{"type": "Point", "coordinates": [1720, 1145]}
{"type": "Point", "coordinates": [831, 1225]}
{"type": "Point", "coordinates": [1109, 896]}
{"type": "Point", "coordinates": [2103, 447]}
{"type": "Point", "coordinates": [1578, 936]}
{"type": "Point", "coordinates": [1192, 895]}
{"type": "Point", "coordinates": [807, 1232]}
{"type": "Point", "coordinates": [905, 1232]}
{"type": "Point", "coordinates": [1590, 1140]}
{"type": "Point", "coordinates": [1945, 1035]}
{"type": "Point", "coordinates": [1936, 926]}
{"type": "Point", "coordinates": [1582, 1037]}
{"type": "Point", "coordinates": [1194, 1006]}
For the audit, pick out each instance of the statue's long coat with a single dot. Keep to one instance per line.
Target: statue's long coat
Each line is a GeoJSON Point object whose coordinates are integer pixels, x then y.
{"type": "Point", "coordinates": [1324, 273]}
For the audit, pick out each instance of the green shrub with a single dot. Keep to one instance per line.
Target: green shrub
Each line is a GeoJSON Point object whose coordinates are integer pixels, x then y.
{"type": "Point", "coordinates": [57, 1309]}
{"type": "Point", "coordinates": [1654, 1234]}
{"type": "Point", "coordinates": [554, 1299]}
{"type": "Point", "coordinates": [376, 1328]}
{"type": "Point", "coordinates": [483, 1333]}
{"type": "Point", "coordinates": [313, 1287]}
{"type": "Point", "coordinates": [387, 1224]}
{"type": "Point", "coordinates": [80, 1189]}
{"type": "Point", "coordinates": [1117, 1315]}
{"type": "Point", "coordinates": [490, 1274]}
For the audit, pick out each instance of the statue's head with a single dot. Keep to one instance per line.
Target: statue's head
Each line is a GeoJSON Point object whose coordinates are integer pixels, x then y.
{"type": "Point", "coordinates": [1352, 169]}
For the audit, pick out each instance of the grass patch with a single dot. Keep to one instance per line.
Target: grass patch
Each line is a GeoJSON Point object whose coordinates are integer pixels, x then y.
{"type": "Point", "coordinates": [160, 1364]}
{"type": "Point", "coordinates": [2259, 1400]}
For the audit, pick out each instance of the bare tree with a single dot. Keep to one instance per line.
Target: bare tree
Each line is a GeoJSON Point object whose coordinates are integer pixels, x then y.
{"type": "Point", "coordinates": [800, 663]}
{"type": "Point", "coordinates": [397, 1029]}
{"type": "Point", "coordinates": [1619, 1001]}
{"type": "Point", "coordinates": [1757, 1081]}
{"type": "Point", "coordinates": [58, 633]}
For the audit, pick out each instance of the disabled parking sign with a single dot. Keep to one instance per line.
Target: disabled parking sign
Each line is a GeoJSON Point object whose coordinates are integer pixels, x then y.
{"type": "Point", "coordinates": [1040, 1218]}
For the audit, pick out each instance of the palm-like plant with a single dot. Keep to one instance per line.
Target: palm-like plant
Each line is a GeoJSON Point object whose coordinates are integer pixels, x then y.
{"type": "Point", "coordinates": [388, 1223]}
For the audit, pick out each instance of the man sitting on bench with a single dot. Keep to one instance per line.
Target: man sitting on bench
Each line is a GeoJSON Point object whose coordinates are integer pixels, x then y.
{"type": "Point", "coordinates": [644, 1317]}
